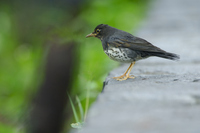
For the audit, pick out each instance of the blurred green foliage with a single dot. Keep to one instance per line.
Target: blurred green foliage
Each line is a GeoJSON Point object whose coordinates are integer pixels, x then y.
{"type": "Point", "coordinates": [20, 63]}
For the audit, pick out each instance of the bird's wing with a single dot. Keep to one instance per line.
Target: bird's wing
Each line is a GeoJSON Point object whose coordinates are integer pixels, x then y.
{"type": "Point", "coordinates": [135, 44]}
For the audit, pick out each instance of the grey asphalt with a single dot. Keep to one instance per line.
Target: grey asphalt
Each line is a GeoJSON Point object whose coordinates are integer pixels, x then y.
{"type": "Point", "coordinates": [165, 95]}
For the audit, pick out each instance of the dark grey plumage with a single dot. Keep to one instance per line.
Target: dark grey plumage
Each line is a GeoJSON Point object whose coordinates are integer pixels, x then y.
{"type": "Point", "coordinates": [121, 39]}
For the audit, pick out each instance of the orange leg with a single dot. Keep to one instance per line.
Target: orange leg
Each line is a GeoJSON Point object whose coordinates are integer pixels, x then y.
{"type": "Point", "coordinates": [119, 77]}
{"type": "Point", "coordinates": [124, 76]}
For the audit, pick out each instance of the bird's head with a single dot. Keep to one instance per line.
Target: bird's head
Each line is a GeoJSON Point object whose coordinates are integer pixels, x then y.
{"type": "Point", "coordinates": [99, 31]}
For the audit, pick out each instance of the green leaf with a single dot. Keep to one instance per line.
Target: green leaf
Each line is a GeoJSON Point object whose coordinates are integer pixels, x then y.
{"type": "Point", "coordinates": [73, 109]}
{"type": "Point", "coordinates": [80, 108]}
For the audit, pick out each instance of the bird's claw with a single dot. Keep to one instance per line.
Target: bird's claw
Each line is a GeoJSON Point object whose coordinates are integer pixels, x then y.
{"type": "Point", "coordinates": [119, 77]}
{"type": "Point", "coordinates": [123, 77]}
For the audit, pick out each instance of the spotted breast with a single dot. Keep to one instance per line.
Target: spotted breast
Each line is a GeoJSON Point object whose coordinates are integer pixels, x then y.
{"type": "Point", "coordinates": [124, 55]}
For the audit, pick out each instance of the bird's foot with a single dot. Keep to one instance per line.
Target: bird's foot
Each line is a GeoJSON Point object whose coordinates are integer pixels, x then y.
{"type": "Point", "coordinates": [123, 77]}
{"type": "Point", "coordinates": [119, 77]}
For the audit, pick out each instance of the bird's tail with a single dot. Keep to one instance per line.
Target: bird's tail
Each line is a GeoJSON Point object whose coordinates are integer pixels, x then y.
{"type": "Point", "coordinates": [166, 55]}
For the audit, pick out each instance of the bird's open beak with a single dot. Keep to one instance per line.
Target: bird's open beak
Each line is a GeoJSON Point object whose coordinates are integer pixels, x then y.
{"type": "Point", "coordinates": [91, 35]}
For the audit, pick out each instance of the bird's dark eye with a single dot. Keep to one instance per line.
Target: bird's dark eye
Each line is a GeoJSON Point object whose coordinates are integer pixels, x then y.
{"type": "Point", "coordinates": [98, 30]}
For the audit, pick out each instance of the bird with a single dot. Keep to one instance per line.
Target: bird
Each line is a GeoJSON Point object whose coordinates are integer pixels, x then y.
{"type": "Point", "coordinates": [123, 47]}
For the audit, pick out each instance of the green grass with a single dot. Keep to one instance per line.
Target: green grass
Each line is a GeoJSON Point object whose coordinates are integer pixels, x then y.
{"type": "Point", "coordinates": [79, 120]}
{"type": "Point", "coordinates": [19, 63]}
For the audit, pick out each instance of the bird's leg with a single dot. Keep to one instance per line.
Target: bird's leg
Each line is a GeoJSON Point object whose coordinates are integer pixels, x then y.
{"type": "Point", "coordinates": [124, 76]}
{"type": "Point", "coordinates": [119, 77]}
{"type": "Point", "coordinates": [127, 76]}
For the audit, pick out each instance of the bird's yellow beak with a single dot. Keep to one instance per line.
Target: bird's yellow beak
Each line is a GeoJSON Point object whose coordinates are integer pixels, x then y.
{"type": "Point", "coordinates": [91, 35]}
